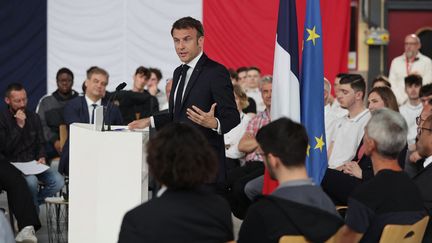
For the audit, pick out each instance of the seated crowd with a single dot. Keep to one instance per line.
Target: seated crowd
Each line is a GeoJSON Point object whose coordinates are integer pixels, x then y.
{"type": "Point", "coordinates": [379, 158]}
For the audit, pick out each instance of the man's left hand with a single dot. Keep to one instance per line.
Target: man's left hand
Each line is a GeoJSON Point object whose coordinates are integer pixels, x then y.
{"type": "Point", "coordinates": [205, 119]}
{"type": "Point", "coordinates": [41, 160]}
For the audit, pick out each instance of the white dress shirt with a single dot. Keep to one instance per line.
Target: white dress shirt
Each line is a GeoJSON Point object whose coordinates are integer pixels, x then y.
{"type": "Point", "coordinates": [410, 112]}
{"type": "Point", "coordinates": [90, 106]}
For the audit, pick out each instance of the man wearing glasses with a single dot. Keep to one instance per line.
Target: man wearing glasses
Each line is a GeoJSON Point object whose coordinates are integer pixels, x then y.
{"type": "Point", "coordinates": [410, 62]}
{"type": "Point", "coordinates": [423, 179]}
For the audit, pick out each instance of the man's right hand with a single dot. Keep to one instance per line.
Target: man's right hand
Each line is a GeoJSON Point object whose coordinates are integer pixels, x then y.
{"type": "Point", "coordinates": [20, 118]}
{"type": "Point", "coordinates": [139, 124]}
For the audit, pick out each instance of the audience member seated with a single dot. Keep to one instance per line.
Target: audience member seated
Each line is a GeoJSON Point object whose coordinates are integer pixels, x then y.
{"type": "Point", "coordinates": [336, 108]}
{"type": "Point", "coordinates": [414, 160]}
{"type": "Point", "coordinates": [241, 80]}
{"type": "Point", "coordinates": [412, 109]}
{"type": "Point", "coordinates": [138, 102]}
{"type": "Point", "coordinates": [329, 115]}
{"type": "Point", "coordinates": [50, 111]}
{"type": "Point", "coordinates": [339, 184]}
{"type": "Point", "coordinates": [348, 130]}
{"type": "Point", "coordinates": [254, 167]}
{"type": "Point", "coordinates": [20, 199]}
{"type": "Point", "coordinates": [423, 179]}
{"type": "Point", "coordinates": [234, 157]}
{"type": "Point", "coordinates": [297, 206]}
{"type": "Point", "coordinates": [22, 140]}
{"type": "Point", "coordinates": [184, 210]}
{"type": "Point", "coordinates": [81, 109]}
{"type": "Point", "coordinates": [390, 197]}
{"type": "Point", "coordinates": [380, 81]}
{"type": "Point", "coordinates": [253, 76]}
{"type": "Point", "coordinates": [152, 87]}
{"type": "Point", "coordinates": [410, 62]}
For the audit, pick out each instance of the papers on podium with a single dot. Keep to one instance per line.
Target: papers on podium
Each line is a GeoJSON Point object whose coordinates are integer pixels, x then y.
{"type": "Point", "coordinates": [31, 167]}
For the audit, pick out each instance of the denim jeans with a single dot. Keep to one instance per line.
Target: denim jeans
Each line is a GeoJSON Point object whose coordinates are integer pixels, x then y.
{"type": "Point", "coordinates": [52, 182]}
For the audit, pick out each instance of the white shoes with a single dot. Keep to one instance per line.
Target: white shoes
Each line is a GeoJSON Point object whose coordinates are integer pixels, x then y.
{"type": "Point", "coordinates": [26, 235]}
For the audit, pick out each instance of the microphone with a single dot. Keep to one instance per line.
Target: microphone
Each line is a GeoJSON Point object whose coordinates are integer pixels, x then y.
{"type": "Point", "coordinates": [109, 107]}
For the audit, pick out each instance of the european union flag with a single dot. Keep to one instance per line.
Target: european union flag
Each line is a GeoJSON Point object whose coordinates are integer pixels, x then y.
{"type": "Point", "coordinates": [312, 92]}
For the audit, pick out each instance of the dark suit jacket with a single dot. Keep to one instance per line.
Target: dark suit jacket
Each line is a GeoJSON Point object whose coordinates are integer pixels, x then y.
{"type": "Point", "coordinates": [209, 83]}
{"type": "Point", "coordinates": [179, 216]}
{"type": "Point", "coordinates": [76, 110]}
{"type": "Point", "coordinates": [423, 180]}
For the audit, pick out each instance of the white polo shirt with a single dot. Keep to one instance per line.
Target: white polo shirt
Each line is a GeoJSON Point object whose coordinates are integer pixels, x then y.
{"type": "Point", "coordinates": [346, 137]}
{"type": "Point", "coordinates": [399, 70]}
{"type": "Point", "coordinates": [410, 112]}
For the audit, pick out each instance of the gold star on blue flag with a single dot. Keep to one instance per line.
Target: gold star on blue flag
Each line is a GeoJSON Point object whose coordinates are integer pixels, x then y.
{"type": "Point", "coordinates": [312, 92]}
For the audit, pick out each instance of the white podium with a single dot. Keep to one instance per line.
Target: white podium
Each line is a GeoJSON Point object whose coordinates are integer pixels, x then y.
{"type": "Point", "coordinates": [108, 177]}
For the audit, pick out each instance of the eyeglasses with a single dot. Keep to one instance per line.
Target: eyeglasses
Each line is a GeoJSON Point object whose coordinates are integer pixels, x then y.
{"type": "Point", "coordinates": [419, 120]}
{"type": "Point", "coordinates": [419, 130]}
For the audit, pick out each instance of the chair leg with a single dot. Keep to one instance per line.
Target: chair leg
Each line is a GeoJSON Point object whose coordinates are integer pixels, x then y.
{"type": "Point", "coordinates": [11, 214]}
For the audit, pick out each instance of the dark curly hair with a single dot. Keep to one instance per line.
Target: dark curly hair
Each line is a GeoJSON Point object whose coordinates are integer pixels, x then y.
{"type": "Point", "coordinates": [180, 157]}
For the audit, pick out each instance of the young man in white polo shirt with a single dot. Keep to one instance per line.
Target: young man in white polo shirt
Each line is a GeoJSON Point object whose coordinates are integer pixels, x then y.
{"type": "Point", "coordinates": [412, 109]}
{"type": "Point", "coordinates": [348, 130]}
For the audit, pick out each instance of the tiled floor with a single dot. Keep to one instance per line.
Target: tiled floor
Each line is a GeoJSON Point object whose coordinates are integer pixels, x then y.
{"type": "Point", "coordinates": [42, 234]}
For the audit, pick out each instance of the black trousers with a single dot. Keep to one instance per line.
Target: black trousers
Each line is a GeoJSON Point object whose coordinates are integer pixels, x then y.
{"type": "Point", "coordinates": [236, 182]}
{"type": "Point", "coordinates": [19, 196]}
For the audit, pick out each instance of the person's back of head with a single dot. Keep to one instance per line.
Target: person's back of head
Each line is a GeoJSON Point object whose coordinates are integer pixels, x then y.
{"type": "Point", "coordinates": [286, 140]}
{"type": "Point", "coordinates": [180, 157]}
{"type": "Point", "coordinates": [388, 129]}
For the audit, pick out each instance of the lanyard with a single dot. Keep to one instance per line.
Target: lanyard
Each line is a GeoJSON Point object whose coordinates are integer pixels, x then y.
{"type": "Point", "coordinates": [409, 63]}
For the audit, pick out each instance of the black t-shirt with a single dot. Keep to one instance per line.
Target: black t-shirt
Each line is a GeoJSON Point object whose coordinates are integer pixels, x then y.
{"type": "Point", "coordinates": [389, 198]}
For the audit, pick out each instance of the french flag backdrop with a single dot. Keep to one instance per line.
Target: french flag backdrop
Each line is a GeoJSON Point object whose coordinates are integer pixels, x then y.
{"type": "Point", "coordinates": [40, 36]}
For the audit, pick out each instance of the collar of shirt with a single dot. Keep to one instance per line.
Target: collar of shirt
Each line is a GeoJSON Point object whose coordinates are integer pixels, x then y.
{"type": "Point", "coordinates": [300, 182]}
{"type": "Point", "coordinates": [427, 161]}
{"type": "Point", "coordinates": [90, 102]}
{"type": "Point", "coordinates": [358, 117]}
{"type": "Point", "coordinates": [194, 61]}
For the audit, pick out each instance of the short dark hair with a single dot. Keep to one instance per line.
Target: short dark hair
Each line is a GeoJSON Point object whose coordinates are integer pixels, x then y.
{"type": "Point", "coordinates": [285, 139]}
{"type": "Point", "coordinates": [157, 72]}
{"type": "Point", "coordinates": [382, 79]}
{"type": "Point", "coordinates": [180, 157]}
{"type": "Point", "coordinates": [13, 87]}
{"type": "Point", "coordinates": [413, 79]}
{"type": "Point", "coordinates": [188, 23]}
{"type": "Point", "coordinates": [426, 90]}
{"type": "Point", "coordinates": [254, 68]}
{"type": "Point", "coordinates": [233, 73]}
{"type": "Point", "coordinates": [340, 75]}
{"type": "Point", "coordinates": [96, 70]}
{"type": "Point", "coordinates": [64, 70]}
{"type": "Point", "coordinates": [143, 71]}
{"type": "Point", "coordinates": [356, 81]}
{"type": "Point", "coordinates": [241, 69]}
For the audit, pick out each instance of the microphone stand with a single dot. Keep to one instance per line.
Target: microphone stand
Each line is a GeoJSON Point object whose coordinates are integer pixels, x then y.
{"type": "Point", "coordinates": [107, 112]}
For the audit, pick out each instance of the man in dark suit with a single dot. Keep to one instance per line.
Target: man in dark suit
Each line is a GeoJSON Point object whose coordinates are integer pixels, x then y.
{"type": "Point", "coordinates": [81, 109]}
{"type": "Point", "coordinates": [423, 179]}
{"type": "Point", "coordinates": [202, 93]}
